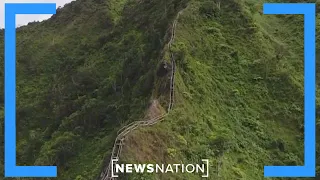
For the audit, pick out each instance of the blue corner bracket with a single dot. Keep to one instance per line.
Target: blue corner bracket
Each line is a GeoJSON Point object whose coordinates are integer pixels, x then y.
{"type": "Point", "coordinates": [10, 167]}
{"type": "Point", "coordinates": [309, 12]}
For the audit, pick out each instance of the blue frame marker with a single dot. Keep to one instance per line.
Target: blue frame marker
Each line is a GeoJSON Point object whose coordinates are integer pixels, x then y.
{"type": "Point", "coordinates": [309, 12]}
{"type": "Point", "coordinates": [11, 169]}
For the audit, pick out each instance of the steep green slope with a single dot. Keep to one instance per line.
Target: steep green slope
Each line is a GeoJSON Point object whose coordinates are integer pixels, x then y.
{"type": "Point", "coordinates": [93, 67]}
{"type": "Point", "coordinates": [81, 74]}
{"type": "Point", "coordinates": [239, 93]}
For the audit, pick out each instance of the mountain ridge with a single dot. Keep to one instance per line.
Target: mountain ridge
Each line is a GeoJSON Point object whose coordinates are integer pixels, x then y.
{"type": "Point", "coordinates": [94, 67]}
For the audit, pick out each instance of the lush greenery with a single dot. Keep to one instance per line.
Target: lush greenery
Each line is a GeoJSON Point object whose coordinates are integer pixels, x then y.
{"type": "Point", "coordinates": [92, 68]}
{"type": "Point", "coordinates": [239, 93]}
{"type": "Point", "coordinates": [82, 74]}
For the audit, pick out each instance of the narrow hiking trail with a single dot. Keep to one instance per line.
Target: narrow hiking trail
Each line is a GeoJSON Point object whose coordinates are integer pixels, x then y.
{"type": "Point", "coordinates": [124, 131]}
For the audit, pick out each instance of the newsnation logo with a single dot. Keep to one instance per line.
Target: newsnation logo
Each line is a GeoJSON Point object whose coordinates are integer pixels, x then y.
{"type": "Point", "coordinates": [202, 169]}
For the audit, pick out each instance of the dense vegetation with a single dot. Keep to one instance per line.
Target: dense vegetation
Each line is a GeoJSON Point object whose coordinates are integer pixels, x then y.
{"type": "Point", "coordinates": [93, 66]}
{"type": "Point", "coordinates": [239, 93]}
{"type": "Point", "coordinates": [82, 74]}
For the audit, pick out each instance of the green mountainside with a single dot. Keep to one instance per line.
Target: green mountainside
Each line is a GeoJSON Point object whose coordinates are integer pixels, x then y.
{"type": "Point", "coordinates": [94, 67]}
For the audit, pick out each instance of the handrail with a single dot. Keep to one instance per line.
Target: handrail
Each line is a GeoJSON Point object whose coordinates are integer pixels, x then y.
{"type": "Point", "coordinates": [122, 132]}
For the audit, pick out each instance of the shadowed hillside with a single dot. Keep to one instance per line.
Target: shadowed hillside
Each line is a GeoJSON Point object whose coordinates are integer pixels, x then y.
{"type": "Point", "coordinates": [80, 75]}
